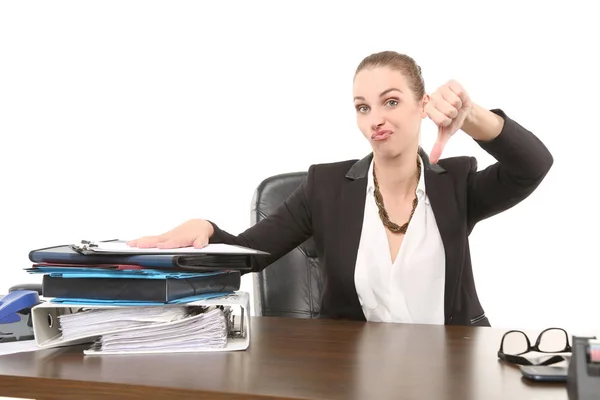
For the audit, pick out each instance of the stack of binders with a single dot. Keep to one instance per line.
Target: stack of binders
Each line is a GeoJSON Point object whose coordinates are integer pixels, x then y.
{"type": "Point", "coordinates": [129, 300]}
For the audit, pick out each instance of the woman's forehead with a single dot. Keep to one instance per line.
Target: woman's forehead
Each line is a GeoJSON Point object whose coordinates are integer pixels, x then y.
{"type": "Point", "coordinates": [371, 82]}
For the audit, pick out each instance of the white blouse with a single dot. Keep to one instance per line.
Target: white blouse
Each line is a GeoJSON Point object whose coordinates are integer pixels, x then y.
{"type": "Point", "coordinates": [411, 289]}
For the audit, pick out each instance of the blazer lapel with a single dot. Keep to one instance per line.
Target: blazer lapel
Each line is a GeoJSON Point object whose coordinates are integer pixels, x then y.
{"type": "Point", "coordinates": [353, 207]}
{"type": "Point", "coordinates": [353, 196]}
{"type": "Point", "coordinates": [440, 190]}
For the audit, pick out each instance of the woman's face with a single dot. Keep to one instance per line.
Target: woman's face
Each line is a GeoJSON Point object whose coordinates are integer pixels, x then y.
{"type": "Point", "coordinates": [387, 112]}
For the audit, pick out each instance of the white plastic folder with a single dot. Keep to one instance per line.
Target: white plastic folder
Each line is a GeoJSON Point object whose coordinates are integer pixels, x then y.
{"type": "Point", "coordinates": [217, 324]}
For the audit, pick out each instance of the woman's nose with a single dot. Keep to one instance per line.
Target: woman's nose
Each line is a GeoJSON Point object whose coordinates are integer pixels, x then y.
{"type": "Point", "coordinates": [377, 122]}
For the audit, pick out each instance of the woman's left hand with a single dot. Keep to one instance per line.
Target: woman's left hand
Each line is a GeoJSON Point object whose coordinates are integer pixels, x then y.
{"type": "Point", "coordinates": [448, 108]}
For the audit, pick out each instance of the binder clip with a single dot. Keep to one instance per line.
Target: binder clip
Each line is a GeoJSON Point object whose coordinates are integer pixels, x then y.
{"type": "Point", "coordinates": [15, 315]}
{"type": "Point", "coordinates": [86, 246]}
{"type": "Point", "coordinates": [83, 245]}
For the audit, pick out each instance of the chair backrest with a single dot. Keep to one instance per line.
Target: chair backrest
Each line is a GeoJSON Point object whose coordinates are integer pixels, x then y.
{"type": "Point", "coordinates": [292, 285]}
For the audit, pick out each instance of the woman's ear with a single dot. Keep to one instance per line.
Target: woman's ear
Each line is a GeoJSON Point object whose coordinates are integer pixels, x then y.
{"type": "Point", "coordinates": [424, 104]}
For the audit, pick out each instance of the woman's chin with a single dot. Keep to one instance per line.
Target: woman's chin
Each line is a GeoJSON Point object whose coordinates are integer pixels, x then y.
{"type": "Point", "coordinates": [389, 151]}
{"type": "Point", "coordinates": [386, 153]}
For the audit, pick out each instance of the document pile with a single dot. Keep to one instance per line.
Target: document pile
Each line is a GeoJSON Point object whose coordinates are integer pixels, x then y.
{"type": "Point", "coordinates": [219, 323]}
{"type": "Point", "coordinates": [125, 300]}
{"type": "Point", "coordinates": [149, 329]}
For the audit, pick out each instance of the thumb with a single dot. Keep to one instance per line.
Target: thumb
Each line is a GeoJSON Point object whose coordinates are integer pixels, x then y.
{"type": "Point", "coordinates": [438, 147]}
{"type": "Point", "coordinates": [200, 242]}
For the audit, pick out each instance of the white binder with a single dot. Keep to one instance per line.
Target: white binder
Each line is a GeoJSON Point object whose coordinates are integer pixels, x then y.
{"type": "Point", "coordinates": [47, 334]}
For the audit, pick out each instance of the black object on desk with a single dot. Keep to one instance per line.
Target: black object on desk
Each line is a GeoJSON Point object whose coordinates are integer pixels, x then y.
{"type": "Point", "coordinates": [163, 289]}
{"type": "Point", "coordinates": [583, 380]}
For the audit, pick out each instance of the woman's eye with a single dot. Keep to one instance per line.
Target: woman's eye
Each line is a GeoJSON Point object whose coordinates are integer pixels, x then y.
{"type": "Point", "coordinates": [362, 109]}
{"type": "Point", "coordinates": [392, 103]}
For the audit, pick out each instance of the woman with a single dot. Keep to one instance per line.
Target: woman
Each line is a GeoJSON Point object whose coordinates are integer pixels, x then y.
{"type": "Point", "coordinates": [392, 229]}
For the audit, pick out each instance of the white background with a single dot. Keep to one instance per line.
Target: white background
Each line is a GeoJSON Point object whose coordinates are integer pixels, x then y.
{"type": "Point", "coordinates": [125, 118]}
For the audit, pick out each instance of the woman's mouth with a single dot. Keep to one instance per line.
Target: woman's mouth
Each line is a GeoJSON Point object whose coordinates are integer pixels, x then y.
{"type": "Point", "coordinates": [381, 135]}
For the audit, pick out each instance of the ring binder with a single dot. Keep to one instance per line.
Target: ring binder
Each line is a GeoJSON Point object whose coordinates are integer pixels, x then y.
{"type": "Point", "coordinates": [47, 323]}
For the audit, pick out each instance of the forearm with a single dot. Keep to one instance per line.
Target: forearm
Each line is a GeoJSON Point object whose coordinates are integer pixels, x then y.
{"type": "Point", "coordinates": [518, 151]}
{"type": "Point", "coordinates": [273, 235]}
{"type": "Point", "coordinates": [277, 234]}
{"type": "Point", "coordinates": [522, 163]}
{"type": "Point", "coordinates": [482, 124]}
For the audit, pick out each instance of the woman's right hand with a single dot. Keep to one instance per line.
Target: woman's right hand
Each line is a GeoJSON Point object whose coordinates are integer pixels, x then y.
{"type": "Point", "coordinates": [193, 233]}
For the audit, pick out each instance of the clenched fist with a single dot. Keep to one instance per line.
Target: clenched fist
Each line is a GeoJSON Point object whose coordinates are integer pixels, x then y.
{"type": "Point", "coordinates": [448, 108]}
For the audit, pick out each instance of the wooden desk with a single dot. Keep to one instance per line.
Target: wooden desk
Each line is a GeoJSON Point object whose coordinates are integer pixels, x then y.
{"type": "Point", "coordinates": [290, 359]}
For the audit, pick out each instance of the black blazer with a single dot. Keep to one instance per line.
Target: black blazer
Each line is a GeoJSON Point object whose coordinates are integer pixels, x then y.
{"type": "Point", "coordinates": [329, 206]}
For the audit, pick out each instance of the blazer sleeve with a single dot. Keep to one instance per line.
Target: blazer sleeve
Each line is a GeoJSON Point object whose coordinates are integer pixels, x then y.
{"type": "Point", "coordinates": [522, 163]}
{"type": "Point", "coordinates": [279, 233]}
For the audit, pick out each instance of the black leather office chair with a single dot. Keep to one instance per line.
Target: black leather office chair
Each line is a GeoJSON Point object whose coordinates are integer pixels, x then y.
{"type": "Point", "coordinates": [291, 286]}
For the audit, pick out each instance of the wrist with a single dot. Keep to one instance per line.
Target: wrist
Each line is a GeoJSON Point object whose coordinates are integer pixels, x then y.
{"type": "Point", "coordinates": [482, 124]}
{"type": "Point", "coordinates": [210, 230]}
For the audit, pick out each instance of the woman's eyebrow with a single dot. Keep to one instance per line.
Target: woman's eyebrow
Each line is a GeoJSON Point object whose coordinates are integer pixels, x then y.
{"type": "Point", "coordinates": [380, 94]}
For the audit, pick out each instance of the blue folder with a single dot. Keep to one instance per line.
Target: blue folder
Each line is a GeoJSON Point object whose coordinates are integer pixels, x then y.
{"type": "Point", "coordinates": [96, 302]}
{"type": "Point", "coordinates": [77, 272]}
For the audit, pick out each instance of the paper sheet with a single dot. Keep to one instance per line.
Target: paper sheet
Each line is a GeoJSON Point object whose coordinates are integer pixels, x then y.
{"type": "Point", "coordinates": [20, 346]}
{"type": "Point", "coordinates": [209, 249]}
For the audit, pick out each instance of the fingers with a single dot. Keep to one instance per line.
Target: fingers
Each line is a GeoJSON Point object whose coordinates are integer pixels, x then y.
{"type": "Point", "coordinates": [437, 116]}
{"type": "Point", "coordinates": [446, 103]}
{"type": "Point", "coordinates": [456, 89]}
{"type": "Point", "coordinates": [146, 241]}
{"type": "Point", "coordinates": [162, 242]}
{"type": "Point", "coordinates": [452, 103]}
{"type": "Point", "coordinates": [200, 242]}
{"type": "Point", "coordinates": [449, 99]}
{"type": "Point", "coordinates": [172, 243]}
{"type": "Point", "coordinates": [193, 232]}
{"type": "Point", "coordinates": [159, 242]}
{"type": "Point", "coordinates": [445, 107]}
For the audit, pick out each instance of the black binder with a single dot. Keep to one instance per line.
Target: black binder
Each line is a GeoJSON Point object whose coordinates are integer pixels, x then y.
{"type": "Point", "coordinates": [133, 289]}
{"type": "Point", "coordinates": [82, 254]}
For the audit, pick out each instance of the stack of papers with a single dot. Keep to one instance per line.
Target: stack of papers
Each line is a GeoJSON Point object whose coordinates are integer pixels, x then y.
{"type": "Point", "coordinates": [203, 325]}
{"type": "Point", "coordinates": [203, 331]}
{"type": "Point", "coordinates": [96, 322]}
{"type": "Point", "coordinates": [149, 329]}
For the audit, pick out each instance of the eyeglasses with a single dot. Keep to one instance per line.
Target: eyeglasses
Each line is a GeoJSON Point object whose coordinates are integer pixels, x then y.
{"type": "Point", "coordinates": [516, 343]}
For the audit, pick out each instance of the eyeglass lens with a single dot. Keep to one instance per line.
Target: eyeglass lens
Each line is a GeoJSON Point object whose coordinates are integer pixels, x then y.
{"type": "Point", "coordinates": [551, 341]}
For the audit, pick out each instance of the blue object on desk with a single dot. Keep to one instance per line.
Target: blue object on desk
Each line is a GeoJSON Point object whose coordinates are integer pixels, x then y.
{"type": "Point", "coordinates": [15, 324]}
{"type": "Point", "coordinates": [92, 302]}
{"type": "Point", "coordinates": [71, 272]}
{"type": "Point", "coordinates": [15, 302]}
